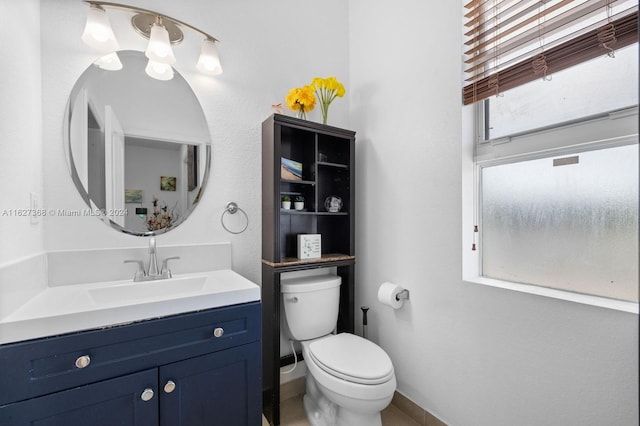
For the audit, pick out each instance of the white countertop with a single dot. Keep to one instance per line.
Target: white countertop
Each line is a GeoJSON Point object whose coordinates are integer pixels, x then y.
{"type": "Point", "coordinates": [70, 308]}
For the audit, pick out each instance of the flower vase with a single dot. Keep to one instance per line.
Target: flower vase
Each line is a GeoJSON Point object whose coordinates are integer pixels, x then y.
{"type": "Point", "coordinates": [302, 113]}
{"type": "Point", "coordinates": [325, 111]}
{"type": "Point", "coordinates": [326, 90]}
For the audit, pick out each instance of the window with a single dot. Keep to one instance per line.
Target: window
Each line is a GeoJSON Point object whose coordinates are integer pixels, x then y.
{"type": "Point", "coordinates": [554, 187]}
{"type": "Point", "coordinates": [598, 86]}
{"type": "Point", "coordinates": [569, 223]}
{"type": "Point", "coordinates": [557, 182]}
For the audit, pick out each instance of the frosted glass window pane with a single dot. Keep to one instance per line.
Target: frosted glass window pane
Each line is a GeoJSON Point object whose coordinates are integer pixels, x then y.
{"type": "Point", "coordinates": [601, 85]}
{"type": "Point", "coordinates": [571, 227]}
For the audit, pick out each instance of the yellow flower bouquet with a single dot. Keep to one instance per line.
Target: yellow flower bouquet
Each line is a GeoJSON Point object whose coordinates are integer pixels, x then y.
{"type": "Point", "coordinates": [302, 100]}
{"type": "Point", "coordinates": [327, 89]}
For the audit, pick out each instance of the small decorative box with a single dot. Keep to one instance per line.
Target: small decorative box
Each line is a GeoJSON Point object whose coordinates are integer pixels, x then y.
{"type": "Point", "coordinates": [309, 246]}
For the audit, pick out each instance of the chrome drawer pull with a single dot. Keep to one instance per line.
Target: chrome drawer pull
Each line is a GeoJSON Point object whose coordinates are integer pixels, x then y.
{"type": "Point", "coordinates": [170, 386]}
{"type": "Point", "coordinates": [147, 394]}
{"type": "Point", "coordinates": [218, 332]}
{"type": "Point", "coordinates": [83, 361]}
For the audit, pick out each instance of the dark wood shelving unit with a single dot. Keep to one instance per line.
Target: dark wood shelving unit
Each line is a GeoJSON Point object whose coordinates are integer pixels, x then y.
{"type": "Point", "coordinates": [305, 142]}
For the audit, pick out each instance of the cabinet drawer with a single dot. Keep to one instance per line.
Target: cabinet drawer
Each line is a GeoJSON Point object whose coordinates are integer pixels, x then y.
{"type": "Point", "coordinates": [42, 366]}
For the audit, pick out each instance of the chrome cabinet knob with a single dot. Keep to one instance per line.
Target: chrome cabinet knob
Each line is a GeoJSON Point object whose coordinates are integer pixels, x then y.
{"type": "Point", "coordinates": [147, 394]}
{"type": "Point", "coordinates": [83, 361]}
{"type": "Point", "coordinates": [218, 332]}
{"type": "Point", "coordinates": [170, 386]}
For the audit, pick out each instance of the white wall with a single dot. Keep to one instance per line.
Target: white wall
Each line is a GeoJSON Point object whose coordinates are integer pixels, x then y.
{"type": "Point", "coordinates": [267, 47]}
{"type": "Point", "coordinates": [20, 128]}
{"type": "Point", "coordinates": [470, 354]}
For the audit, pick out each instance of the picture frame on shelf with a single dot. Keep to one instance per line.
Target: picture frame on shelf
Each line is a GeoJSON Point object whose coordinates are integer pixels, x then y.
{"type": "Point", "coordinates": [290, 169]}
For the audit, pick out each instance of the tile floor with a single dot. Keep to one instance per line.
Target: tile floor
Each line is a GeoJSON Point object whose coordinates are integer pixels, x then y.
{"type": "Point", "coordinates": [292, 414]}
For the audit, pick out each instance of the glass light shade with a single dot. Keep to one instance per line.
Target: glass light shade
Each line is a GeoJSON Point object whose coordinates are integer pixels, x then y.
{"type": "Point", "coordinates": [98, 32]}
{"type": "Point", "coordinates": [209, 61]}
{"type": "Point", "coordinates": [159, 71]}
{"type": "Point", "coordinates": [110, 62]}
{"type": "Point", "coordinates": [159, 48]}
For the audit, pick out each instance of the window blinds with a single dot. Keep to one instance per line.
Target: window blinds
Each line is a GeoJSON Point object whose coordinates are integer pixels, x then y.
{"type": "Point", "coordinates": [513, 42]}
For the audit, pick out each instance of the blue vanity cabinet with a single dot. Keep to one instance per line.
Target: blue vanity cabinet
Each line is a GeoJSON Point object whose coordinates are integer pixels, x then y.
{"type": "Point", "coordinates": [223, 388]}
{"type": "Point", "coordinates": [107, 403]}
{"type": "Point", "coordinates": [199, 368]}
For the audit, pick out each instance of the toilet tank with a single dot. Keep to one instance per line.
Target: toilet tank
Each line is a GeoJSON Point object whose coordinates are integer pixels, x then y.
{"type": "Point", "coordinates": [310, 305]}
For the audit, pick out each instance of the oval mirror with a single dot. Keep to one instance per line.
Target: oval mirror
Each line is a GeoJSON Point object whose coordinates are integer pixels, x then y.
{"type": "Point", "coordinates": [138, 148]}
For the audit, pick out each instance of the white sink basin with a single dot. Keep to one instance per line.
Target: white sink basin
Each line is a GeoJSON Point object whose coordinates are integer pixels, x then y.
{"type": "Point", "coordinates": [70, 308]}
{"type": "Point", "coordinates": [146, 290]}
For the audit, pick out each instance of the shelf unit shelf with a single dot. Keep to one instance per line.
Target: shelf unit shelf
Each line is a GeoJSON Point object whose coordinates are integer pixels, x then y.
{"type": "Point", "coordinates": [305, 142]}
{"type": "Point", "coordinates": [339, 166]}
{"type": "Point", "coordinates": [300, 212]}
{"type": "Point", "coordinates": [298, 182]}
{"type": "Point", "coordinates": [331, 259]}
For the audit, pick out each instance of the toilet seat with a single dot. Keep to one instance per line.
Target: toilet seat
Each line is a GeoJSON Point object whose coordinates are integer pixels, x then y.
{"type": "Point", "coordinates": [352, 358]}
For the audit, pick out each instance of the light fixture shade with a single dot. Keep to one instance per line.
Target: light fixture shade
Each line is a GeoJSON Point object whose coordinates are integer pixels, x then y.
{"type": "Point", "coordinates": [159, 71]}
{"type": "Point", "coordinates": [110, 62]}
{"type": "Point", "coordinates": [159, 48]}
{"type": "Point", "coordinates": [209, 61]}
{"type": "Point", "coordinates": [97, 31]}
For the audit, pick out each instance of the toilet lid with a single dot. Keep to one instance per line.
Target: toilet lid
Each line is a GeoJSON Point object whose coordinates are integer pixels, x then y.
{"type": "Point", "coordinates": [352, 358]}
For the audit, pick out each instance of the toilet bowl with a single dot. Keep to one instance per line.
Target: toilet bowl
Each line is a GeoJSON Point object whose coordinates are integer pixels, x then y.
{"type": "Point", "coordinates": [349, 379]}
{"type": "Point", "coordinates": [351, 373]}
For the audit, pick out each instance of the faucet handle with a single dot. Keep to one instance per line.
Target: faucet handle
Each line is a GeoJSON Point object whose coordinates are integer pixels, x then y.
{"type": "Point", "coordinates": [165, 271]}
{"type": "Point", "coordinates": [140, 272]}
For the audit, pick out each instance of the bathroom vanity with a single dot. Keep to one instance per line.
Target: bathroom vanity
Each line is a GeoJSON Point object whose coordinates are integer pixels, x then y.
{"type": "Point", "coordinates": [200, 367]}
{"type": "Point", "coordinates": [84, 341]}
{"type": "Point", "coordinates": [101, 334]}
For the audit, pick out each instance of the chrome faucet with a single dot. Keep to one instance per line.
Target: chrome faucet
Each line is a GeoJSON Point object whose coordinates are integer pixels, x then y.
{"type": "Point", "coordinates": [152, 273]}
{"type": "Point", "coordinates": [153, 258]}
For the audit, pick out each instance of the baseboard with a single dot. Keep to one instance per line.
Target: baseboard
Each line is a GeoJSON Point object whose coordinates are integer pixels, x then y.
{"type": "Point", "coordinates": [292, 388]}
{"type": "Point", "coordinates": [415, 412]}
{"type": "Point", "coordinates": [296, 387]}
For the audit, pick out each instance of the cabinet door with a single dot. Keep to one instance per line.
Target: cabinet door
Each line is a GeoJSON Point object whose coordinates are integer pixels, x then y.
{"type": "Point", "coordinates": [108, 403]}
{"type": "Point", "coordinates": [223, 388]}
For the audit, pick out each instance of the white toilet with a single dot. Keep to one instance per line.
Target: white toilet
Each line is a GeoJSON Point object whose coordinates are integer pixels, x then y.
{"type": "Point", "coordinates": [349, 379]}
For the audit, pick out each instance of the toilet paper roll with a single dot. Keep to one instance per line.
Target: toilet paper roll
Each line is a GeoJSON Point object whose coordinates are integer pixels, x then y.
{"type": "Point", "coordinates": [387, 295]}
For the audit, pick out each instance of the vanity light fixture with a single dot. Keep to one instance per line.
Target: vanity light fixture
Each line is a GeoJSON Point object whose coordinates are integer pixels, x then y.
{"type": "Point", "coordinates": [159, 48]}
{"type": "Point", "coordinates": [97, 31]}
{"type": "Point", "coordinates": [209, 62]}
{"type": "Point", "coordinates": [161, 30]}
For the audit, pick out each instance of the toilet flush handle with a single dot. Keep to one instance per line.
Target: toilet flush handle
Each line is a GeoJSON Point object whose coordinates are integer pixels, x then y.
{"type": "Point", "coordinates": [292, 299]}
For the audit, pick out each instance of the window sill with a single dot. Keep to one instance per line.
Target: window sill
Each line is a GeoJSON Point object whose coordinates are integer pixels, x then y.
{"type": "Point", "coordinates": [585, 299]}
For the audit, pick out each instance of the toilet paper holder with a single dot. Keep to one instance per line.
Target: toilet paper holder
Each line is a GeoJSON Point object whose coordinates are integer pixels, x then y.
{"type": "Point", "coordinates": [404, 294]}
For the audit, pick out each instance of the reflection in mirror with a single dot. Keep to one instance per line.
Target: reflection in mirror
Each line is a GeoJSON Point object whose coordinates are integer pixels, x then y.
{"type": "Point", "coordinates": [138, 148]}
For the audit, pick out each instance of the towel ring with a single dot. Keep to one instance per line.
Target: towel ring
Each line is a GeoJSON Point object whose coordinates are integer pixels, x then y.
{"type": "Point", "coordinates": [232, 208]}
